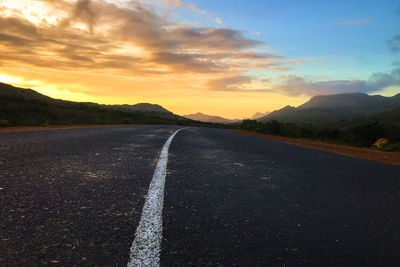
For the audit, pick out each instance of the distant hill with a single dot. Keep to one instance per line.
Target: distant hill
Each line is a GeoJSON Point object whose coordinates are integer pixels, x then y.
{"type": "Point", "coordinates": [20, 107]}
{"type": "Point", "coordinates": [9, 91]}
{"type": "Point", "coordinates": [325, 110]}
{"type": "Point", "coordinates": [209, 118]}
{"type": "Point", "coordinates": [259, 115]}
{"type": "Point", "coordinates": [357, 102]}
{"type": "Point", "coordinates": [144, 107]}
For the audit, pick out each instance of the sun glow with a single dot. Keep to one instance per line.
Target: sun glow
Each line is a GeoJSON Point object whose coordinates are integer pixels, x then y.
{"type": "Point", "coordinates": [35, 11]}
{"type": "Point", "coordinates": [388, 91]}
{"type": "Point", "coordinates": [10, 79]}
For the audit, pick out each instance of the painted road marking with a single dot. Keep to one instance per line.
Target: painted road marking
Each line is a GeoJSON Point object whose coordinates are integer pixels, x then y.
{"type": "Point", "coordinates": [145, 249]}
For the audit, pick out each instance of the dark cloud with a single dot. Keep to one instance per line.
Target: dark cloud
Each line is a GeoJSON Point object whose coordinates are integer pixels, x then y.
{"type": "Point", "coordinates": [18, 28]}
{"type": "Point", "coordinates": [296, 86]}
{"type": "Point", "coordinates": [394, 44]}
{"type": "Point", "coordinates": [13, 41]}
{"type": "Point", "coordinates": [83, 10]}
{"type": "Point", "coordinates": [211, 38]}
{"type": "Point", "coordinates": [187, 62]}
{"type": "Point", "coordinates": [380, 80]}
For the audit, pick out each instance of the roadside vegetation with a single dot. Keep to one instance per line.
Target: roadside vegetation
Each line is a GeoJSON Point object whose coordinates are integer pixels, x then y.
{"type": "Point", "coordinates": [360, 135]}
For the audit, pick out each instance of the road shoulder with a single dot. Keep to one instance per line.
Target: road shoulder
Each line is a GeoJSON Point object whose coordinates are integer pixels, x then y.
{"type": "Point", "coordinates": [391, 158]}
{"type": "Point", "coordinates": [55, 127]}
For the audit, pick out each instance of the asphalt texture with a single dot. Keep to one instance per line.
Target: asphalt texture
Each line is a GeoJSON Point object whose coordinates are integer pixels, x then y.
{"type": "Point", "coordinates": [74, 198]}
{"type": "Point", "coordinates": [234, 200]}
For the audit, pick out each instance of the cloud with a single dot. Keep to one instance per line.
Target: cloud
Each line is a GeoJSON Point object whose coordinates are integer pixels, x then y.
{"type": "Point", "coordinates": [358, 22]}
{"type": "Point", "coordinates": [136, 43]}
{"type": "Point", "coordinates": [296, 86]}
{"type": "Point", "coordinates": [194, 8]}
{"type": "Point", "coordinates": [295, 62]}
{"type": "Point", "coordinates": [180, 4]}
{"type": "Point", "coordinates": [210, 38]}
{"type": "Point", "coordinates": [231, 83]}
{"type": "Point", "coordinates": [255, 56]}
{"type": "Point", "coordinates": [238, 83]}
{"type": "Point", "coordinates": [18, 28]}
{"type": "Point", "coordinates": [100, 34]}
{"type": "Point", "coordinates": [179, 62]}
{"type": "Point", "coordinates": [83, 10]}
{"type": "Point", "coordinates": [394, 44]}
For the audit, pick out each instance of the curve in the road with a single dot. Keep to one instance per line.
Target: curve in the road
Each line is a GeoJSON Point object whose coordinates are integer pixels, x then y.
{"type": "Point", "coordinates": [145, 250]}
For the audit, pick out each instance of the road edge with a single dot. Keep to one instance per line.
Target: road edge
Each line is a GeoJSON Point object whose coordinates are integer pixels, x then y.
{"type": "Point", "coordinates": [17, 129]}
{"type": "Point", "coordinates": [390, 158]}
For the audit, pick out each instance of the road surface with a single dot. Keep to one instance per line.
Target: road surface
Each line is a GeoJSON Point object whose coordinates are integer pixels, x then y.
{"type": "Point", "coordinates": [75, 198]}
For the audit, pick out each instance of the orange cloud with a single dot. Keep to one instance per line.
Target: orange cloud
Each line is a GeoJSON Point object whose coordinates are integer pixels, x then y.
{"type": "Point", "coordinates": [92, 35]}
{"type": "Point", "coordinates": [180, 4]}
{"type": "Point", "coordinates": [101, 49]}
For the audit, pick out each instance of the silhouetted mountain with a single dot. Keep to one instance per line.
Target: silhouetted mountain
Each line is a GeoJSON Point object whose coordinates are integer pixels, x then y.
{"type": "Point", "coordinates": [325, 110]}
{"type": "Point", "coordinates": [208, 118]}
{"type": "Point", "coordinates": [259, 115]}
{"type": "Point", "coordinates": [144, 107]}
{"type": "Point", "coordinates": [26, 107]}
{"type": "Point", "coordinates": [9, 91]}
{"type": "Point", "coordinates": [356, 103]}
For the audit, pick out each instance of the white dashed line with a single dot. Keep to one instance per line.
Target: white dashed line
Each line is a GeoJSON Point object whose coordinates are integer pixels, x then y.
{"type": "Point", "coordinates": [145, 249]}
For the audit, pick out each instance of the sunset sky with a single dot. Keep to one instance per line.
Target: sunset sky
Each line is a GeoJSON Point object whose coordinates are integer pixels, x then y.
{"type": "Point", "coordinates": [219, 57]}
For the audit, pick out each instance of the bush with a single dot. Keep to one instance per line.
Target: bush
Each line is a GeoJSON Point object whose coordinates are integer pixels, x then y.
{"type": "Point", "coordinates": [363, 135]}
{"type": "Point", "coordinates": [290, 130]}
{"type": "Point", "coordinates": [4, 123]}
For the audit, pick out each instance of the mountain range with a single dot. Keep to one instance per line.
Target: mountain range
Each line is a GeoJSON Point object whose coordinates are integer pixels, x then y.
{"type": "Point", "coordinates": [340, 110]}
{"type": "Point", "coordinates": [20, 107]}
{"type": "Point", "coordinates": [217, 119]}
{"type": "Point", "coordinates": [209, 118]}
{"type": "Point", "coordinates": [336, 109]}
{"type": "Point", "coordinates": [27, 107]}
{"type": "Point", "coordinates": [260, 115]}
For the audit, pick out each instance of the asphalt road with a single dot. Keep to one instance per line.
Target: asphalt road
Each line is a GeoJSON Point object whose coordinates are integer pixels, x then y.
{"type": "Point", "coordinates": [74, 198]}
